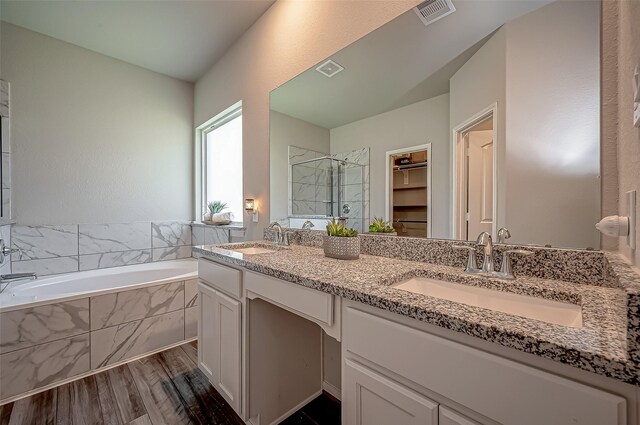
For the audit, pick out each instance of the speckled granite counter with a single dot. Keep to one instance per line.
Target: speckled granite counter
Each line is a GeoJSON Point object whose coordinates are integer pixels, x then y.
{"type": "Point", "coordinates": [601, 346]}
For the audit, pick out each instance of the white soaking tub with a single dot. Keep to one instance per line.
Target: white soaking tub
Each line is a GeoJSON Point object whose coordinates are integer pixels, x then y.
{"type": "Point", "coordinates": [69, 286]}
{"type": "Point", "coordinates": [57, 329]}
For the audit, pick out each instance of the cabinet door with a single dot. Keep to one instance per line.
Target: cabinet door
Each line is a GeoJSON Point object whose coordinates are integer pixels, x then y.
{"type": "Point", "coordinates": [228, 351]}
{"type": "Point", "coordinates": [449, 417]}
{"type": "Point", "coordinates": [207, 343]}
{"type": "Point", "coordinates": [372, 399]}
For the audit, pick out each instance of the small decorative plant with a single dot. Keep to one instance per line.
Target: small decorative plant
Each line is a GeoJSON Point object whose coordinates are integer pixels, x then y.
{"type": "Point", "coordinates": [216, 207]}
{"type": "Point", "coordinates": [338, 229]}
{"type": "Point", "coordinates": [378, 225]}
{"type": "Point", "coordinates": [340, 242]}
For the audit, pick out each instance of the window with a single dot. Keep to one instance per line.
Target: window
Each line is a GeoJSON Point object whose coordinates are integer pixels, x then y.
{"type": "Point", "coordinates": [222, 165]}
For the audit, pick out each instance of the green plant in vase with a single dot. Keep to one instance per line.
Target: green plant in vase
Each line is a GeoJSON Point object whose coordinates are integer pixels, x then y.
{"type": "Point", "coordinates": [340, 242]}
{"type": "Point", "coordinates": [337, 229]}
{"type": "Point", "coordinates": [378, 225]}
{"type": "Point", "coordinates": [216, 207]}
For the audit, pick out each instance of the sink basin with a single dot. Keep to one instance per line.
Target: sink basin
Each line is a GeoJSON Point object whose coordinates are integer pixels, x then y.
{"type": "Point", "coordinates": [559, 313]}
{"type": "Point", "coordinates": [253, 250]}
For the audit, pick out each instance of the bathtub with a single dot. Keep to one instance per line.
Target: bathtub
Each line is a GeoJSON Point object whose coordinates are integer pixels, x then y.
{"type": "Point", "coordinates": [70, 286]}
{"type": "Point", "coordinates": [61, 328]}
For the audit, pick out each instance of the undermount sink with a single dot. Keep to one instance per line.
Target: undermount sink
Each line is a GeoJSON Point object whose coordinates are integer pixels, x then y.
{"type": "Point", "coordinates": [253, 250]}
{"type": "Point", "coordinates": [559, 313]}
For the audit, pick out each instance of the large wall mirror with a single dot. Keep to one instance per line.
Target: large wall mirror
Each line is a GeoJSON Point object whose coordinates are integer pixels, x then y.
{"type": "Point", "coordinates": [480, 118]}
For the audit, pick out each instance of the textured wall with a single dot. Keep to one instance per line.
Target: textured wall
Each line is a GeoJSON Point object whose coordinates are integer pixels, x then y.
{"type": "Point", "coordinates": [628, 135]}
{"type": "Point", "coordinates": [289, 38]}
{"type": "Point", "coordinates": [95, 140]}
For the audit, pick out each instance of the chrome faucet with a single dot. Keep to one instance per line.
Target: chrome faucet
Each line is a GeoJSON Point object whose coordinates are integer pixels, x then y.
{"type": "Point", "coordinates": [484, 240]}
{"type": "Point", "coordinates": [14, 277]}
{"type": "Point", "coordinates": [488, 268]}
{"type": "Point", "coordinates": [308, 225]}
{"type": "Point", "coordinates": [282, 237]}
{"type": "Point", "coordinates": [5, 251]}
{"type": "Point", "coordinates": [503, 234]}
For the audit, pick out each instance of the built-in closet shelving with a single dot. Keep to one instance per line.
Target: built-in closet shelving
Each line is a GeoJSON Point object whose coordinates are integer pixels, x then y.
{"type": "Point", "coordinates": [410, 195]}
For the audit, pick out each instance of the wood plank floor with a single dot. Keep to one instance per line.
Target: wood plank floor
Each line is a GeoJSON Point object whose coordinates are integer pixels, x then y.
{"type": "Point", "coordinates": [323, 410]}
{"type": "Point", "coordinates": [164, 389]}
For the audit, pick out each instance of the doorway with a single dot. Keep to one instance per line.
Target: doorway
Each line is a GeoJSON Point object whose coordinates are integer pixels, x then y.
{"type": "Point", "coordinates": [474, 174]}
{"type": "Point", "coordinates": [408, 194]}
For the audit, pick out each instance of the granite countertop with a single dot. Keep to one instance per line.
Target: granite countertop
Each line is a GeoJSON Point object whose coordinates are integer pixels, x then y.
{"type": "Point", "coordinates": [599, 346]}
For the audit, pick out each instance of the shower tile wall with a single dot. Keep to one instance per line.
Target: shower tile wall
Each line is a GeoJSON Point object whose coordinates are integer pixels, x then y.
{"type": "Point", "coordinates": [5, 235]}
{"type": "Point", "coordinates": [69, 248]}
{"type": "Point", "coordinates": [6, 148]}
{"type": "Point", "coordinates": [307, 184]}
{"type": "Point", "coordinates": [355, 191]}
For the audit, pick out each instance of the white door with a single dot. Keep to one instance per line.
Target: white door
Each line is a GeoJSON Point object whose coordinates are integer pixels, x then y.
{"type": "Point", "coordinates": [207, 341]}
{"type": "Point", "coordinates": [480, 182]}
{"type": "Point", "coordinates": [449, 417]}
{"type": "Point", "coordinates": [372, 399]}
{"type": "Point", "coordinates": [228, 353]}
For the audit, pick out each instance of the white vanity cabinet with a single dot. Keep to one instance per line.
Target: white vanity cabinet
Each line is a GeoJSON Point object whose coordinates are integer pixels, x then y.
{"type": "Point", "coordinates": [220, 329]}
{"type": "Point", "coordinates": [393, 366]}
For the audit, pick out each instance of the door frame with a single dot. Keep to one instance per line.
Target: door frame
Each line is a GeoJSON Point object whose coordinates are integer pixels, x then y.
{"type": "Point", "coordinates": [458, 173]}
{"type": "Point", "coordinates": [388, 182]}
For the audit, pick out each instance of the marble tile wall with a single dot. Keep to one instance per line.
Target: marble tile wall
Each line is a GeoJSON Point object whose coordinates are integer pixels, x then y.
{"type": "Point", "coordinates": [38, 325]}
{"type": "Point", "coordinates": [5, 235]}
{"type": "Point", "coordinates": [308, 183]}
{"type": "Point", "coordinates": [116, 343]}
{"type": "Point", "coordinates": [41, 365]}
{"type": "Point", "coordinates": [5, 117]}
{"type": "Point", "coordinates": [127, 306]}
{"type": "Point", "coordinates": [67, 248]}
{"type": "Point", "coordinates": [45, 344]}
{"type": "Point", "coordinates": [191, 310]}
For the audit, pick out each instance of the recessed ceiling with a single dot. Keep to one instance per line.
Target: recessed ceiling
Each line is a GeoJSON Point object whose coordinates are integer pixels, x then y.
{"type": "Point", "coordinates": [179, 38]}
{"type": "Point", "coordinates": [398, 64]}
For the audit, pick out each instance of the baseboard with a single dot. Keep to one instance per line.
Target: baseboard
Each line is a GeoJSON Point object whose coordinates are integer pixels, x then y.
{"type": "Point", "coordinates": [92, 372]}
{"type": "Point", "coordinates": [332, 389]}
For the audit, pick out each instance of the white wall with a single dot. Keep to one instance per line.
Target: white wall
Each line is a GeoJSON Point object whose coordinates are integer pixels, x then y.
{"type": "Point", "coordinates": [476, 86]}
{"type": "Point", "coordinates": [284, 131]}
{"type": "Point", "coordinates": [289, 38]}
{"type": "Point", "coordinates": [543, 71]}
{"type": "Point", "coordinates": [553, 125]}
{"type": "Point", "coordinates": [422, 122]}
{"type": "Point", "coordinates": [94, 139]}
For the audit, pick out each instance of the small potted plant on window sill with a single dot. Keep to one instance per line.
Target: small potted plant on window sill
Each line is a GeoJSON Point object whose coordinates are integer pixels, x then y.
{"type": "Point", "coordinates": [340, 242]}
{"type": "Point", "coordinates": [215, 215]}
{"type": "Point", "coordinates": [380, 227]}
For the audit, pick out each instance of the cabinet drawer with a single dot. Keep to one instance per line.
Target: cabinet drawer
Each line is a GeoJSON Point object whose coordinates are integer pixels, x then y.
{"type": "Point", "coordinates": [503, 390]}
{"type": "Point", "coordinates": [222, 277]}
{"type": "Point", "coordinates": [315, 304]}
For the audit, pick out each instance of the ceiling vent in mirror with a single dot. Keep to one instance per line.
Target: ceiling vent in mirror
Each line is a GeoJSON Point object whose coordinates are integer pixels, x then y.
{"type": "Point", "coordinates": [329, 68]}
{"type": "Point", "coordinates": [432, 10]}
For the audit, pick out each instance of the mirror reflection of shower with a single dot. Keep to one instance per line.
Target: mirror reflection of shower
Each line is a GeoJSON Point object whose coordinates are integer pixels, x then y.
{"type": "Point", "coordinates": [322, 187]}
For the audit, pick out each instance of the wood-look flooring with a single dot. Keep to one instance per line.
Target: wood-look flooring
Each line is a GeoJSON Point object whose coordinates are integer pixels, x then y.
{"type": "Point", "coordinates": [163, 389]}
{"type": "Point", "coordinates": [323, 410]}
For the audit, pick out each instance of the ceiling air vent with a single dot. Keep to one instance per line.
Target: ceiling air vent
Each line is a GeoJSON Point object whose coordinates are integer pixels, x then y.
{"type": "Point", "coordinates": [329, 68]}
{"type": "Point", "coordinates": [432, 10]}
